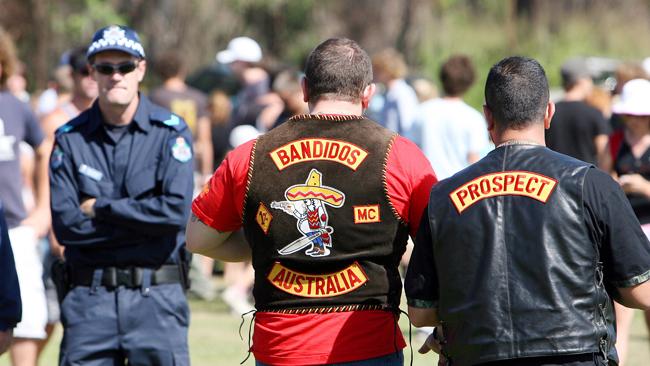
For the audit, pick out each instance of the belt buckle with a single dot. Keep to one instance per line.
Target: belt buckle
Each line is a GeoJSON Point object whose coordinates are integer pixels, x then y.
{"type": "Point", "coordinates": [123, 277]}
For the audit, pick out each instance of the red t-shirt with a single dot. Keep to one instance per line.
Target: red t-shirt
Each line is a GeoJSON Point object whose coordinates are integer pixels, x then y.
{"type": "Point", "coordinates": [300, 339]}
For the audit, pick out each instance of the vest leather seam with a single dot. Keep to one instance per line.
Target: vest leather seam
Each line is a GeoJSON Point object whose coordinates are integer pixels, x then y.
{"type": "Point", "coordinates": [385, 182]}
{"type": "Point", "coordinates": [249, 177]}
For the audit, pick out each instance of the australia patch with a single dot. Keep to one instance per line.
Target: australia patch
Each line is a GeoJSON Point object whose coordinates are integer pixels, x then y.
{"type": "Point", "coordinates": [181, 150]}
{"type": "Point", "coordinates": [56, 159]}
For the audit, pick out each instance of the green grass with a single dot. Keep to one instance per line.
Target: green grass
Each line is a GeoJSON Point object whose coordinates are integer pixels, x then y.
{"type": "Point", "coordinates": [214, 340]}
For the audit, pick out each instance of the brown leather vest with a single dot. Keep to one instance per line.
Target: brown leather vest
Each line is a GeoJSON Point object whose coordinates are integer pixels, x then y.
{"type": "Point", "coordinates": [324, 234]}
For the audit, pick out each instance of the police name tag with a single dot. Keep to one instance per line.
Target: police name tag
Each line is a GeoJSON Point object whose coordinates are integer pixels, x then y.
{"type": "Point", "coordinates": [91, 173]}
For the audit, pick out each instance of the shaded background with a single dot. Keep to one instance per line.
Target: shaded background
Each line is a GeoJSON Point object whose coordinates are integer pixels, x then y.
{"type": "Point", "coordinates": [425, 31]}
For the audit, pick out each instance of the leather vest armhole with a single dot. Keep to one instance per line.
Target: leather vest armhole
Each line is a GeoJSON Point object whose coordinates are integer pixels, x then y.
{"type": "Point", "coordinates": [385, 183]}
{"type": "Point", "coordinates": [249, 176]}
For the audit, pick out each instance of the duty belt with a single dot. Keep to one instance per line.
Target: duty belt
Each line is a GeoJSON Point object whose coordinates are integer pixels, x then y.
{"type": "Point", "coordinates": [130, 277]}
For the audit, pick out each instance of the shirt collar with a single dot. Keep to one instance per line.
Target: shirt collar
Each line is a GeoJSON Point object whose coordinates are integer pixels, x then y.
{"type": "Point", "coordinates": [141, 117]}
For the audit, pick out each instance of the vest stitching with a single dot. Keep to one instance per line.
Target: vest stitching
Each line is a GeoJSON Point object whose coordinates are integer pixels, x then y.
{"type": "Point", "coordinates": [385, 183]}
{"type": "Point", "coordinates": [326, 117]}
{"type": "Point", "coordinates": [249, 177]}
{"type": "Point", "coordinates": [506, 274]}
{"type": "Point", "coordinates": [327, 309]}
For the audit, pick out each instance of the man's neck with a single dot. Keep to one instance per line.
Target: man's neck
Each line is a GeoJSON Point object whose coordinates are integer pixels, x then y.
{"type": "Point", "coordinates": [533, 135]}
{"type": "Point", "coordinates": [574, 95]}
{"type": "Point", "coordinates": [175, 84]}
{"type": "Point", "coordinates": [119, 115]}
{"type": "Point", "coordinates": [336, 107]}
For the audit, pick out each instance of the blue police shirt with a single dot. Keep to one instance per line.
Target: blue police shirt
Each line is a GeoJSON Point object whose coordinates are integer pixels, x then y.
{"type": "Point", "coordinates": [142, 180]}
{"type": "Point", "coordinates": [10, 305]}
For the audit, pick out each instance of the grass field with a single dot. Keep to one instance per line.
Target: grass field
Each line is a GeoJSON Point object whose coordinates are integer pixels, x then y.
{"type": "Point", "coordinates": [214, 340]}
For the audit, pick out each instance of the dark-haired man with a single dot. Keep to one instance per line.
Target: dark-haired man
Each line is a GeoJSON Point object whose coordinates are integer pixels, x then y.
{"type": "Point", "coordinates": [326, 201]}
{"type": "Point", "coordinates": [519, 255]}
{"type": "Point", "coordinates": [578, 129]}
{"type": "Point", "coordinates": [451, 133]}
{"type": "Point", "coordinates": [121, 184]}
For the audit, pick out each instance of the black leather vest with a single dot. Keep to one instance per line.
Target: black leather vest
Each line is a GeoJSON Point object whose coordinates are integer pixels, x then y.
{"type": "Point", "coordinates": [323, 232]}
{"type": "Point", "coordinates": [519, 271]}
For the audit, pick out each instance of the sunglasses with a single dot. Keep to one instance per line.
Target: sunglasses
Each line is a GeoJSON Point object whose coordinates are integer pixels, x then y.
{"type": "Point", "coordinates": [109, 69]}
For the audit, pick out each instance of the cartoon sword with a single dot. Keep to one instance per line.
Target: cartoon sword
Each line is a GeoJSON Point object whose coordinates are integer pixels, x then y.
{"type": "Point", "coordinates": [304, 241]}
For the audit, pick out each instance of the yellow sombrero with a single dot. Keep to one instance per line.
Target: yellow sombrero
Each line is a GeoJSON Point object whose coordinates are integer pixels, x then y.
{"type": "Point", "coordinates": [313, 189]}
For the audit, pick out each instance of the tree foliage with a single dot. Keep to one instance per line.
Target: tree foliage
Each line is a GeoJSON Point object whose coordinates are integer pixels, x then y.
{"type": "Point", "coordinates": [425, 31]}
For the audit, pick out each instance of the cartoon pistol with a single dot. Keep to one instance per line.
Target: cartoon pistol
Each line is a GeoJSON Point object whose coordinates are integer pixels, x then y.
{"type": "Point", "coordinates": [286, 206]}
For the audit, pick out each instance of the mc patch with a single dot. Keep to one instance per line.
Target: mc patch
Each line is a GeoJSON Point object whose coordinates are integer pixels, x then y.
{"type": "Point", "coordinates": [263, 218]}
{"type": "Point", "coordinates": [366, 214]}
{"type": "Point", "coordinates": [181, 150]}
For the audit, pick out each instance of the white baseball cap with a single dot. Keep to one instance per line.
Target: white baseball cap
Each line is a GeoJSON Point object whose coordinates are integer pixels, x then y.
{"type": "Point", "coordinates": [240, 49]}
{"type": "Point", "coordinates": [635, 98]}
{"type": "Point", "coordinates": [242, 134]}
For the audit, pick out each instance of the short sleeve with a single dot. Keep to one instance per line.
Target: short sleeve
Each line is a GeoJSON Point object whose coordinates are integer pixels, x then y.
{"type": "Point", "coordinates": [602, 125]}
{"type": "Point", "coordinates": [421, 283]}
{"type": "Point", "coordinates": [409, 178]}
{"type": "Point", "coordinates": [221, 203]}
{"type": "Point", "coordinates": [624, 248]}
{"type": "Point", "coordinates": [33, 132]}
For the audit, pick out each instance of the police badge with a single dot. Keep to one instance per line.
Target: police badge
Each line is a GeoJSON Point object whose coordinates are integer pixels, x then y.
{"type": "Point", "coordinates": [181, 150]}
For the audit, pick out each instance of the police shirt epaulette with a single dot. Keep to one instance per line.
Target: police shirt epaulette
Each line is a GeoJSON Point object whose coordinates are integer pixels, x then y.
{"type": "Point", "coordinates": [75, 122]}
{"type": "Point", "coordinates": [168, 119]}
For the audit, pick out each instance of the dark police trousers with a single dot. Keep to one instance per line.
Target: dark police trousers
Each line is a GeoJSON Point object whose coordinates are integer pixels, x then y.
{"type": "Point", "coordinates": [136, 326]}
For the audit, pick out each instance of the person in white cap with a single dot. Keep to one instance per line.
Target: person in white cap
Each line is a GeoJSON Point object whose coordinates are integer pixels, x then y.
{"type": "Point", "coordinates": [243, 55]}
{"type": "Point", "coordinates": [632, 166]}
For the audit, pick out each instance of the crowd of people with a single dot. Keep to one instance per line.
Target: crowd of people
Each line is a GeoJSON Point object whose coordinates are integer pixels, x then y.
{"type": "Point", "coordinates": [99, 176]}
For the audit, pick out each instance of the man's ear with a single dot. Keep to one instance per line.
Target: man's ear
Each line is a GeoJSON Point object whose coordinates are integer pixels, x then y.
{"type": "Point", "coordinates": [305, 90]}
{"type": "Point", "coordinates": [368, 92]}
{"type": "Point", "coordinates": [548, 115]}
{"type": "Point", "coordinates": [488, 117]}
{"type": "Point", "coordinates": [142, 66]}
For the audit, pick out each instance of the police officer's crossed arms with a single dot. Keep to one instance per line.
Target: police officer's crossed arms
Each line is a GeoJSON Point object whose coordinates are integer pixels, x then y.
{"type": "Point", "coordinates": [520, 255]}
{"type": "Point", "coordinates": [121, 184]}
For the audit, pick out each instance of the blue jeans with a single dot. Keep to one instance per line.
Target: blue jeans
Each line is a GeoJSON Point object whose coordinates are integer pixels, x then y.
{"type": "Point", "coordinates": [393, 359]}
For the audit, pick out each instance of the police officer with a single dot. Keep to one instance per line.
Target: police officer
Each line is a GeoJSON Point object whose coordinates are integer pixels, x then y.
{"type": "Point", "coordinates": [521, 254]}
{"type": "Point", "coordinates": [326, 201]}
{"type": "Point", "coordinates": [121, 184]}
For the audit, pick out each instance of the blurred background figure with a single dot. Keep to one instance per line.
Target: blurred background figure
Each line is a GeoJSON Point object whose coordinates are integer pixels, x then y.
{"type": "Point", "coordinates": [18, 124]}
{"type": "Point", "coordinates": [219, 112]}
{"type": "Point", "coordinates": [17, 83]}
{"type": "Point", "coordinates": [632, 167]}
{"type": "Point", "coordinates": [284, 101]}
{"type": "Point", "coordinates": [578, 129]}
{"type": "Point", "coordinates": [400, 101]}
{"type": "Point", "coordinates": [58, 88]}
{"type": "Point", "coordinates": [424, 88]}
{"type": "Point", "coordinates": [84, 93]}
{"type": "Point", "coordinates": [189, 103]}
{"type": "Point", "coordinates": [452, 134]}
{"type": "Point", "coordinates": [243, 55]}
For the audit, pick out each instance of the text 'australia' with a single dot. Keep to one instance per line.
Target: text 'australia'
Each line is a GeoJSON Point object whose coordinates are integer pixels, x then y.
{"type": "Point", "coordinates": [317, 285]}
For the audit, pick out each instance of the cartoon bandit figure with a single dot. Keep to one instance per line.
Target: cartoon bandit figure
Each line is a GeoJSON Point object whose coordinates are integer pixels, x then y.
{"type": "Point", "coordinates": [312, 216]}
